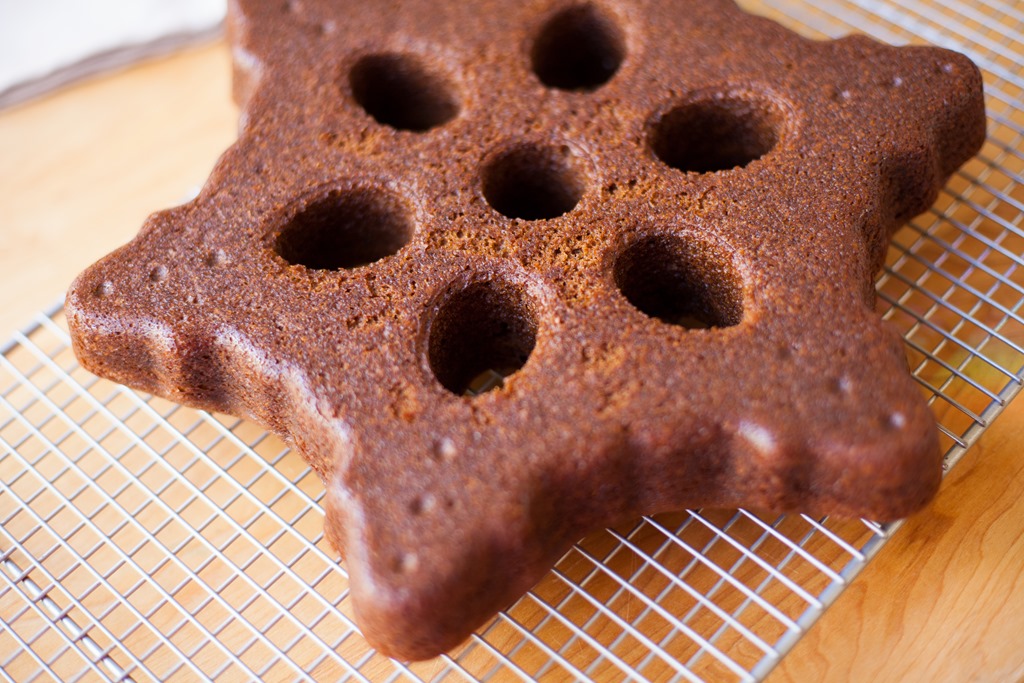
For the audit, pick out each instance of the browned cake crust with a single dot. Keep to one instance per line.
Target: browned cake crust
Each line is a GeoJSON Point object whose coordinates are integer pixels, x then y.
{"type": "Point", "coordinates": [665, 215]}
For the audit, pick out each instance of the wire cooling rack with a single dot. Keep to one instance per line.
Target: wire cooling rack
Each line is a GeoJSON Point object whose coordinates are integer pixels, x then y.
{"type": "Point", "coordinates": [144, 541]}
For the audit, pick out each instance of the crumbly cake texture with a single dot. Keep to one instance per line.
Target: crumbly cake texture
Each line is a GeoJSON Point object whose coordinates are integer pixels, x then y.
{"type": "Point", "coordinates": [660, 219]}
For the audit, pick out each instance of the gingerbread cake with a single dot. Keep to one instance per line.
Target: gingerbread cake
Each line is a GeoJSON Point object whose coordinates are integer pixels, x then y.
{"type": "Point", "coordinates": [652, 225]}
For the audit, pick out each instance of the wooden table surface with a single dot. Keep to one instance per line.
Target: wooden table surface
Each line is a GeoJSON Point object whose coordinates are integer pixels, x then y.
{"type": "Point", "coordinates": [80, 170]}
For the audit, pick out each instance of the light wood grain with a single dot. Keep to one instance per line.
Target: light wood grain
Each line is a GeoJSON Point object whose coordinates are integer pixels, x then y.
{"type": "Point", "coordinates": [944, 600]}
{"type": "Point", "coordinates": [80, 170]}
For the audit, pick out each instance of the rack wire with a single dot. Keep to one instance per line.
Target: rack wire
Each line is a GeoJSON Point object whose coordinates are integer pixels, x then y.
{"type": "Point", "coordinates": [140, 540]}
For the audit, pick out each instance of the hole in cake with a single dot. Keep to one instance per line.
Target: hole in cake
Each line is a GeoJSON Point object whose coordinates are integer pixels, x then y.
{"type": "Point", "coordinates": [579, 48]}
{"type": "Point", "coordinates": [532, 182]}
{"type": "Point", "coordinates": [481, 334]}
{"type": "Point", "coordinates": [716, 133]}
{"type": "Point", "coordinates": [680, 281]}
{"type": "Point", "coordinates": [345, 229]}
{"type": "Point", "coordinates": [397, 91]}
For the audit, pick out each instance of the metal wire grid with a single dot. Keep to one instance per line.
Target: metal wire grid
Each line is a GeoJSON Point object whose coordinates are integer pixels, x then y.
{"type": "Point", "coordinates": [144, 541]}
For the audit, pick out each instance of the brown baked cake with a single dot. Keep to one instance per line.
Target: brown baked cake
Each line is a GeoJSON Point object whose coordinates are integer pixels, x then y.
{"type": "Point", "coordinates": [656, 225]}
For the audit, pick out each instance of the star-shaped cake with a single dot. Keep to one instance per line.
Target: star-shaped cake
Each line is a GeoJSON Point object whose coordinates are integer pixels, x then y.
{"type": "Point", "coordinates": [649, 227]}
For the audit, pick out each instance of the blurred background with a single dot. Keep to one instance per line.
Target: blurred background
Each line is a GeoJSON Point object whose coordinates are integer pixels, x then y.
{"type": "Point", "coordinates": [109, 110]}
{"type": "Point", "coordinates": [49, 43]}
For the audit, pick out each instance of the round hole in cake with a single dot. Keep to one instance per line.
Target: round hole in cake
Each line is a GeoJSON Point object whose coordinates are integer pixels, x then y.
{"type": "Point", "coordinates": [716, 132]}
{"type": "Point", "coordinates": [480, 335]}
{"type": "Point", "coordinates": [580, 48]}
{"type": "Point", "coordinates": [398, 91]}
{"type": "Point", "coordinates": [532, 182]}
{"type": "Point", "coordinates": [680, 281]}
{"type": "Point", "coordinates": [345, 228]}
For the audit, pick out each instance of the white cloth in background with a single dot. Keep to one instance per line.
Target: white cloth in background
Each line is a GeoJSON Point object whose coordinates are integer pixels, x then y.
{"type": "Point", "coordinates": [48, 43]}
